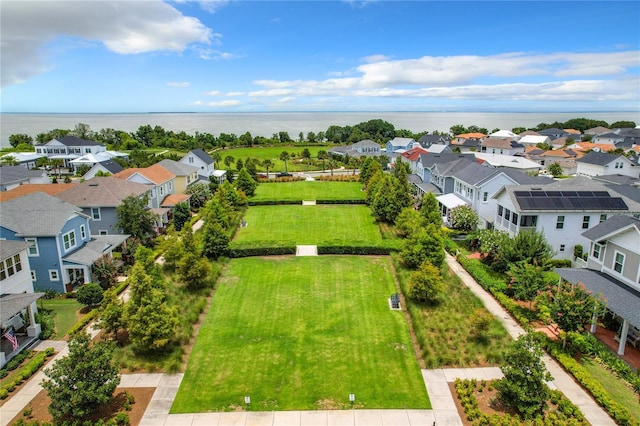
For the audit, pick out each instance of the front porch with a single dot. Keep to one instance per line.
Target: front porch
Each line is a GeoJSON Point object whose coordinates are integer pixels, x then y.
{"type": "Point", "coordinates": [610, 338]}
{"type": "Point", "coordinates": [13, 308]}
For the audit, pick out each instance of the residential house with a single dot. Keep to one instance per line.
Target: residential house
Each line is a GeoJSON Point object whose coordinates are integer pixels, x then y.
{"type": "Point", "coordinates": [459, 139]}
{"type": "Point", "coordinates": [533, 140]}
{"type": "Point", "coordinates": [13, 176]}
{"type": "Point", "coordinates": [566, 158]}
{"type": "Point", "coordinates": [476, 185]}
{"type": "Point", "coordinates": [28, 160]}
{"type": "Point", "coordinates": [464, 146]}
{"type": "Point", "coordinates": [205, 164]}
{"type": "Point", "coordinates": [366, 148]}
{"type": "Point", "coordinates": [608, 138]}
{"type": "Point", "coordinates": [590, 146]}
{"type": "Point", "coordinates": [17, 299]}
{"type": "Point", "coordinates": [598, 130]}
{"type": "Point", "coordinates": [602, 163]}
{"type": "Point", "coordinates": [185, 174]}
{"type": "Point", "coordinates": [69, 148]}
{"type": "Point", "coordinates": [516, 162]}
{"type": "Point", "coordinates": [504, 134]}
{"type": "Point", "coordinates": [159, 179]}
{"type": "Point", "coordinates": [573, 133]}
{"type": "Point", "coordinates": [427, 162]}
{"type": "Point", "coordinates": [62, 250]}
{"type": "Point", "coordinates": [613, 271]}
{"type": "Point", "coordinates": [561, 210]}
{"type": "Point", "coordinates": [108, 167]}
{"type": "Point", "coordinates": [440, 149]}
{"type": "Point", "coordinates": [562, 142]}
{"type": "Point", "coordinates": [412, 157]}
{"type": "Point", "coordinates": [92, 159]}
{"type": "Point", "coordinates": [99, 197]}
{"type": "Point", "coordinates": [427, 140]}
{"type": "Point", "coordinates": [528, 133]}
{"type": "Point", "coordinates": [30, 188]}
{"type": "Point", "coordinates": [502, 146]}
{"type": "Point", "coordinates": [399, 144]}
{"type": "Point", "coordinates": [554, 133]}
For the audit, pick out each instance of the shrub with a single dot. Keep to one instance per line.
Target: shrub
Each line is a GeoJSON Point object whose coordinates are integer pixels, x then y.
{"type": "Point", "coordinates": [90, 294]}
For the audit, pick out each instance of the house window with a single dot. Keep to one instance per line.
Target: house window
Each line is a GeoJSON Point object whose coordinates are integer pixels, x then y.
{"type": "Point", "coordinates": [87, 150]}
{"type": "Point", "coordinates": [528, 221]}
{"type": "Point", "coordinates": [618, 263]}
{"type": "Point", "coordinates": [190, 159]}
{"type": "Point", "coordinates": [95, 213]}
{"type": "Point", "coordinates": [53, 275]}
{"type": "Point", "coordinates": [33, 248]}
{"type": "Point", "coordinates": [514, 219]}
{"type": "Point", "coordinates": [603, 217]}
{"type": "Point", "coordinates": [83, 233]}
{"type": "Point", "coordinates": [562, 246]}
{"type": "Point", "coordinates": [161, 191]}
{"type": "Point", "coordinates": [507, 214]}
{"type": "Point", "coordinates": [585, 222]}
{"type": "Point", "coordinates": [500, 209]}
{"type": "Point", "coordinates": [170, 186]}
{"type": "Point", "coordinates": [103, 232]}
{"type": "Point", "coordinates": [69, 240]}
{"type": "Point", "coordinates": [560, 222]}
{"type": "Point", "coordinates": [597, 249]}
{"type": "Point", "coordinates": [485, 196]}
{"type": "Point", "coordinates": [17, 263]}
{"type": "Point", "coordinates": [33, 275]}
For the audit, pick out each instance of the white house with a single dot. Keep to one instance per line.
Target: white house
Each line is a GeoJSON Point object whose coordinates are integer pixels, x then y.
{"type": "Point", "coordinates": [69, 148]}
{"type": "Point", "coordinates": [534, 140]}
{"type": "Point", "coordinates": [501, 146]}
{"type": "Point", "coordinates": [602, 163]}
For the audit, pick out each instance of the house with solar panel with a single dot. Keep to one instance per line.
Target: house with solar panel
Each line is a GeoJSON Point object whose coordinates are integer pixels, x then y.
{"type": "Point", "coordinates": [613, 271]}
{"type": "Point", "coordinates": [562, 210]}
{"type": "Point", "coordinates": [17, 300]}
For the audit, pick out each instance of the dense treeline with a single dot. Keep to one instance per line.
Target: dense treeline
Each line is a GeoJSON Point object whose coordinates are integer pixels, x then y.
{"type": "Point", "coordinates": [376, 130]}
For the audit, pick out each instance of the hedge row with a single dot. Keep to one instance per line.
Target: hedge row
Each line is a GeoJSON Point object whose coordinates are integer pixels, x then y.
{"type": "Point", "coordinates": [81, 324]}
{"type": "Point", "coordinates": [619, 413]}
{"type": "Point", "coordinates": [354, 250]}
{"type": "Point", "coordinates": [295, 202]}
{"type": "Point", "coordinates": [261, 251]}
{"type": "Point", "coordinates": [348, 201]}
{"type": "Point", "coordinates": [28, 370]}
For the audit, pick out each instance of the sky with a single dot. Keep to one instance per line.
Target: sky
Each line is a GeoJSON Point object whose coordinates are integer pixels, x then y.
{"type": "Point", "coordinates": [232, 56]}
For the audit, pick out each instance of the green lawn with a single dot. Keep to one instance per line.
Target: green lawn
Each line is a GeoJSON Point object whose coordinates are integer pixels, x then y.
{"type": "Point", "coordinates": [301, 333]}
{"type": "Point", "coordinates": [272, 153]}
{"type": "Point", "coordinates": [618, 389]}
{"type": "Point", "coordinates": [66, 314]}
{"type": "Point", "coordinates": [303, 190]}
{"type": "Point", "coordinates": [310, 224]}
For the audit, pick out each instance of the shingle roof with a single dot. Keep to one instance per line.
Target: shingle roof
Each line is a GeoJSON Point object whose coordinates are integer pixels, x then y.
{"type": "Point", "coordinates": [427, 140]}
{"type": "Point", "coordinates": [156, 174]}
{"type": "Point", "coordinates": [414, 153]}
{"type": "Point", "coordinates": [609, 226]}
{"type": "Point", "coordinates": [202, 155]}
{"type": "Point", "coordinates": [473, 173]}
{"type": "Point", "coordinates": [471, 135]}
{"type": "Point", "coordinates": [30, 188]}
{"type": "Point", "coordinates": [177, 168]}
{"type": "Point", "coordinates": [630, 191]}
{"type": "Point", "coordinates": [365, 143]}
{"type": "Point", "coordinates": [10, 247]}
{"type": "Point", "coordinates": [173, 199]}
{"type": "Point", "coordinates": [401, 141]}
{"type": "Point", "coordinates": [429, 160]}
{"type": "Point", "coordinates": [10, 304]}
{"type": "Point", "coordinates": [598, 158]}
{"type": "Point", "coordinates": [75, 141]}
{"type": "Point", "coordinates": [106, 191]}
{"type": "Point", "coordinates": [617, 179]}
{"type": "Point", "coordinates": [503, 143]}
{"type": "Point", "coordinates": [112, 167]}
{"type": "Point", "coordinates": [10, 174]}
{"type": "Point", "coordinates": [95, 248]}
{"type": "Point", "coordinates": [36, 214]}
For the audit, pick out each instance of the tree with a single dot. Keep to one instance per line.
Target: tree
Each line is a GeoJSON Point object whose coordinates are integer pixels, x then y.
{"type": "Point", "coordinates": [135, 218]}
{"type": "Point", "coordinates": [111, 314]}
{"type": "Point", "coordinates": [267, 164]}
{"type": "Point", "coordinates": [464, 218]}
{"type": "Point", "coordinates": [90, 294]}
{"type": "Point", "coordinates": [228, 161]}
{"type": "Point", "coordinates": [524, 384]}
{"type": "Point", "coordinates": [215, 240]}
{"type": "Point", "coordinates": [426, 244]}
{"type": "Point", "coordinates": [623, 124]}
{"type": "Point", "coordinates": [389, 199]}
{"type": "Point", "coordinates": [284, 156]}
{"type": "Point", "coordinates": [19, 139]}
{"type": "Point", "coordinates": [527, 246]}
{"type": "Point", "coordinates": [9, 160]}
{"type": "Point", "coordinates": [409, 221]}
{"type": "Point", "coordinates": [555, 169]}
{"type": "Point", "coordinates": [181, 215]}
{"type": "Point", "coordinates": [430, 210]}
{"type": "Point", "coordinates": [81, 381]}
{"type": "Point", "coordinates": [527, 281]}
{"type": "Point", "coordinates": [426, 284]}
{"type": "Point", "coordinates": [105, 271]}
{"type": "Point", "coordinates": [192, 268]}
{"type": "Point", "coordinates": [306, 154]}
{"type": "Point", "coordinates": [83, 131]}
{"type": "Point", "coordinates": [239, 164]}
{"type": "Point", "coordinates": [245, 183]}
{"type": "Point", "coordinates": [200, 194]}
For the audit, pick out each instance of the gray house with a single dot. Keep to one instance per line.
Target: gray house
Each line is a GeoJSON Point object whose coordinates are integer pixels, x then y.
{"type": "Point", "coordinates": [366, 148]}
{"type": "Point", "coordinates": [12, 176]}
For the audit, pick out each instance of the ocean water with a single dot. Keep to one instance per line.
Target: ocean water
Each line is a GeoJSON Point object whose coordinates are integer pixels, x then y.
{"type": "Point", "coordinates": [268, 123]}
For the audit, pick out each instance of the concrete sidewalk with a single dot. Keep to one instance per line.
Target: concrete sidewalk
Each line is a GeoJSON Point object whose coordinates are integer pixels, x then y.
{"type": "Point", "coordinates": [561, 379]}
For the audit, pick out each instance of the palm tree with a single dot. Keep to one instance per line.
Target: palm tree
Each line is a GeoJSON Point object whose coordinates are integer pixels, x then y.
{"type": "Point", "coordinates": [267, 164]}
{"type": "Point", "coordinates": [284, 156]}
{"type": "Point", "coordinates": [332, 165]}
{"type": "Point", "coordinates": [322, 155]}
{"type": "Point", "coordinates": [228, 161]}
{"type": "Point", "coordinates": [216, 157]}
{"type": "Point", "coordinates": [9, 160]}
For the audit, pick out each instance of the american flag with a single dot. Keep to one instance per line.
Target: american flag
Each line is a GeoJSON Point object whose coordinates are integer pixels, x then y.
{"type": "Point", "coordinates": [12, 338]}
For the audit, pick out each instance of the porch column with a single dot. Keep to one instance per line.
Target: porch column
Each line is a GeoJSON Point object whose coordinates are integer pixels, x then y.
{"type": "Point", "coordinates": [34, 329]}
{"type": "Point", "coordinates": [623, 337]}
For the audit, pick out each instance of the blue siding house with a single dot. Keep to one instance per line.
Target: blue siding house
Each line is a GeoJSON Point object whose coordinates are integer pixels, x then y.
{"type": "Point", "coordinates": [62, 250]}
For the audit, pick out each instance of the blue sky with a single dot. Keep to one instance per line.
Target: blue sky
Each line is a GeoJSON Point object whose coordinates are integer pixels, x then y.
{"type": "Point", "coordinates": [233, 56]}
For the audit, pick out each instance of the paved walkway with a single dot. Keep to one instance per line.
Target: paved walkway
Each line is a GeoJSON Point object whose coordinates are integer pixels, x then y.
{"type": "Point", "coordinates": [306, 250]}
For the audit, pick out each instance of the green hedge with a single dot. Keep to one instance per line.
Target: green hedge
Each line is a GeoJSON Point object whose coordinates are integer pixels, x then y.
{"type": "Point", "coordinates": [28, 370]}
{"type": "Point", "coordinates": [80, 325]}
{"type": "Point", "coordinates": [273, 202]}
{"type": "Point", "coordinates": [261, 251]}
{"type": "Point", "coordinates": [354, 250]}
{"type": "Point", "coordinates": [351, 201]}
{"type": "Point", "coordinates": [619, 413]}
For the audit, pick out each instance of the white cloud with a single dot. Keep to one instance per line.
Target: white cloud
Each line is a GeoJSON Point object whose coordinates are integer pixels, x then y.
{"type": "Point", "coordinates": [230, 102]}
{"type": "Point", "coordinates": [235, 94]}
{"type": "Point", "coordinates": [197, 103]}
{"type": "Point", "coordinates": [286, 100]}
{"type": "Point", "coordinates": [375, 58]}
{"type": "Point", "coordinates": [213, 93]}
{"type": "Point", "coordinates": [208, 54]}
{"type": "Point", "coordinates": [124, 27]}
{"type": "Point", "coordinates": [178, 84]}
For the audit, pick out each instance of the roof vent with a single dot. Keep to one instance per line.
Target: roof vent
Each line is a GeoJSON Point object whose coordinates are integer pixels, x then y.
{"type": "Point", "coordinates": [536, 189]}
{"type": "Point", "coordinates": [93, 184]}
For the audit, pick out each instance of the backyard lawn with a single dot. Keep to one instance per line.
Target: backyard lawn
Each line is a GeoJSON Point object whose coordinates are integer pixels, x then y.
{"type": "Point", "coordinates": [352, 224]}
{"type": "Point", "coordinates": [313, 190]}
{"type": "Point", "coordinates": [66, 311]}
{"type": "Point", "coordinates": [302, 333]}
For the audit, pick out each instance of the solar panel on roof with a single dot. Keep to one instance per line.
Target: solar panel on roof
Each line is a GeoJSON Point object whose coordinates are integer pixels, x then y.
{"type": "Point", "coordinates": [521, 193]}
{"type": "Point", "coordinates": [538, 194]}
{"type": "Point", "coordinates": [600, 194]}
{"type": "Point", "coordinates": [584, 193]}
{"type": "Point", "coordinates": [554, 193]}
{"type": "Point", "coordinates": [569, 193]}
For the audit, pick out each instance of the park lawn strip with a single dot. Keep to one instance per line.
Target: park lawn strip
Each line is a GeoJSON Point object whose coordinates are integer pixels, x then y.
{"type": "Point", "coordinates": [618, 389]}
{"type": "Point", "coordinates": [309, 190]}
{"type": "Point", "coordinates": [302, 333]}
{"type": "Point", "coordinates": [348, 224]}
{"type": "Point", "coordinates": [66, 311]}
{"type": "Point", "coordinates": [272, 153]}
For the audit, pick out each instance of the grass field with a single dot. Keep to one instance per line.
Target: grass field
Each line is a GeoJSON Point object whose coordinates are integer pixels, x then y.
{"type": "Point", "coordinates": [66, 314]}
{"type": "Point", "coordinates": [272, 153]}
{"type": "Point", "coordinates": [310, 224]}
{"type": "Point", "coordinates": [303, 190]}
{"type": "Point", "coordinates": [301, 333]}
